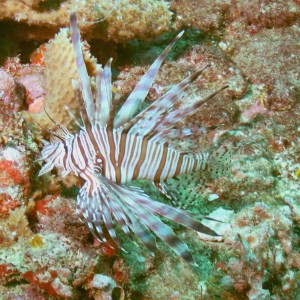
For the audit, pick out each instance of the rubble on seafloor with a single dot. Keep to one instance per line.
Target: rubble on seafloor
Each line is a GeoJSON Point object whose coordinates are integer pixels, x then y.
{"type": "Point", "coordinates": [47, 253]}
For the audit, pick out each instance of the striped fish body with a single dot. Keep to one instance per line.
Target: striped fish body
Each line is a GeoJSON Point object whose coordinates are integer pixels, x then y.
{"type": "Point", "coordinates": [124, 157]}
{"type": "Point", "coordinates": [111, 149]}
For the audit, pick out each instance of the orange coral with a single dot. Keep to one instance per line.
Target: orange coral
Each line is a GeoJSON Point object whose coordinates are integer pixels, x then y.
{"type": "Point", "coordinates": [43, 207]}
{"type": "Point", "coordinates": [6, 271]}
{"type": "Point", "coordinates": [37, 56]}
{"type": "Point", "coordinates": [121, 271]}
{"type": "Point", "coordinates": [44, 285]}
{"type": "Point", "coordinates": [9, 174]}
{"type": "Point", "coordinates": [7, 204]}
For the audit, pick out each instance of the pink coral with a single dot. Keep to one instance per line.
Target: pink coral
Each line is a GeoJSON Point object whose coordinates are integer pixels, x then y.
{"type": "Point", "coordinates": [35, 94]}
{"type": "Point", "coordinates": [50, 282]}
{"type": "Point", "coordinates": [11, 94]}
{"type": "Point", "coordinates": [256, 109]}
{"type": "Point", "coordinates": [30, 78]}
{"type": "Point", "coordinates": [14, 179]}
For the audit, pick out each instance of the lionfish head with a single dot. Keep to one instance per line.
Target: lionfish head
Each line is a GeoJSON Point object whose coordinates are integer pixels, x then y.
{"type": "Point", "coordinates": [53, 154]}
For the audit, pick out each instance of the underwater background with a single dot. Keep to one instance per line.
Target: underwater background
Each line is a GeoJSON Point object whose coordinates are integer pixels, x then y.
{"type": "Point", "coordinates": [254, 47]}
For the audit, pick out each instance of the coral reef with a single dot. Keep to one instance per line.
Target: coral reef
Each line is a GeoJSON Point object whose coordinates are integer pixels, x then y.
{"type": "Point", "coordinates": [214, 16]}
{"type": "Point", "coordinates": [12, 94]}
{"type": "Point", "coordinates": [46, 252]}
{"type": "Point", "coordinates": [248, 30]}
{"type": "Point", "coordinates": [208, 17]}
{"type": "Point", "coordinates": [14, 226]}
{"type": "Point", "coordinates": [264, 254]}
{"type": "Point", "coordinates": [29, 78]}
{"type": "Point", "coordinates": [101, 287]}
{"type": "Point", "coordinates": [58, 70]}
{"type": "Point", "coordinates": [276, 70]}
{"type": "Point", "coordinates": [49, 262]}
{"type": "Point", "coordinates": [16, 146]}
{"type": "Point", "coordinates": [260, 14]}
{"type": "Point", "coordinates": [119, 20]}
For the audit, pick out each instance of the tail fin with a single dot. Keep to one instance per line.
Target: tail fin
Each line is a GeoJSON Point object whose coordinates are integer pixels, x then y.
{"type": "Point", "coordinates": [185, 190]}
{"type": "Point", "coordinates": [219, 161]}
{"type": "Point", "coordinates": [104, 203]}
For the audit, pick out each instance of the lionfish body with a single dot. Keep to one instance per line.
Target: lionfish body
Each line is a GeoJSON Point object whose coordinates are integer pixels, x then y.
{"type": "Point", "coordinates": [111, 150]}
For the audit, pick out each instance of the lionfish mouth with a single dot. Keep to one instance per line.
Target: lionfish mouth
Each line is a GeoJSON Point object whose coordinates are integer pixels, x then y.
{"type": "Point", "coordinates": [114, 148]}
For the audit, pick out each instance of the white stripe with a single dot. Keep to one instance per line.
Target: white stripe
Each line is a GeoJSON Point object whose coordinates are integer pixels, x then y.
{"type": "Point", "coordinates": [157, 160]}
{"type": "Point", "coordinates": [135, 157]}
{"type": "Point", "coordinates": [117, 139]}
{"type": "Point", "coordinates": [174, 163]}
{"type": "Point", "coordinates": [129, 140]}
{"type": "Point", "coordinates": [78, 156]}
{"type": "Point", "coordinates": [168, 163]}
{"type": "Point", "coordinates": [145, 165]}
{"type": "Point", "coordinates": [102, 141]}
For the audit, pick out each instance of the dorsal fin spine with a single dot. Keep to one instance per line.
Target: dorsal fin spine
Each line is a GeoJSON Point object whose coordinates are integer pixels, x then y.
{"type": "Point", "coordinates": [140, 92]}
{"type": "Point", "coordinates": [82, 71]}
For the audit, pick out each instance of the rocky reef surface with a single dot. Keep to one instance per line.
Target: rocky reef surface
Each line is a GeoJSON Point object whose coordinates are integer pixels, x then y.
{"type": "Point", "coordinates": [253, 46]}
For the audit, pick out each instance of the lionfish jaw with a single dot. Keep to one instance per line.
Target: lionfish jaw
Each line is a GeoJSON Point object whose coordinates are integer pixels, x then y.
{"type": "Point", "coordinates": [46, 168]}
{"type": "Point", "coordinates": [44, 142]}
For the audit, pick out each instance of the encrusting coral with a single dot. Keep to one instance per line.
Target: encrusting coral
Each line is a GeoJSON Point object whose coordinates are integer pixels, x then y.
{"type": "Point", "coordinates": [120, 20]}
{"type": "Point", "coordinates": [59, 70]}
{"type": "Point", "coordinates": [14, 226]}
{"type": "Point", "coordinates": [16, 145]}
{"type": "Point", "coordinates": [213, 16]}
{"type": "Point", "coordinates": [263, 251]}
{"type": "Point", "coordinates": [276, 72]}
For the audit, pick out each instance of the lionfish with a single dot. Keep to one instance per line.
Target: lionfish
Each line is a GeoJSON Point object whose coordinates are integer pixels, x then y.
{"type": "Point", "coordinates": [112, 149]}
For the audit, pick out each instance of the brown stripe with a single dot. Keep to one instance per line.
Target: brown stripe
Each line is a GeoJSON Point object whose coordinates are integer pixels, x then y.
{"type": "Point", "coordinates": [121, 156]}
{"type": "Point", "coordinates": [111, 147]}
{"type": "Point", "coordinates": [170, 164]}
{"type": "Point", "coordinates": [196, 160]}
{"type": "Point", "coordinates": [179, 163]}
{"type": "Point", "coordinates": [73, 158]}
{"type": "Point", "coordinates": [82, 151]}
{"type": "Point", "coordinates": [54, 150]}
{"type": "Point", "coordinates": [66, 154]}
{"type": "Point", "coordinates": [141, 159]}
{"type": "Point", "coordinates": [161, 164]}
{"type": "Point", "coordinates": [191, 164]}
{"type": "Point", "coordinates": [130, 155]}
{"type": "Point", "coordinates": [96, 147]}
{"type": "Point", "coordinates": [91, 181]}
